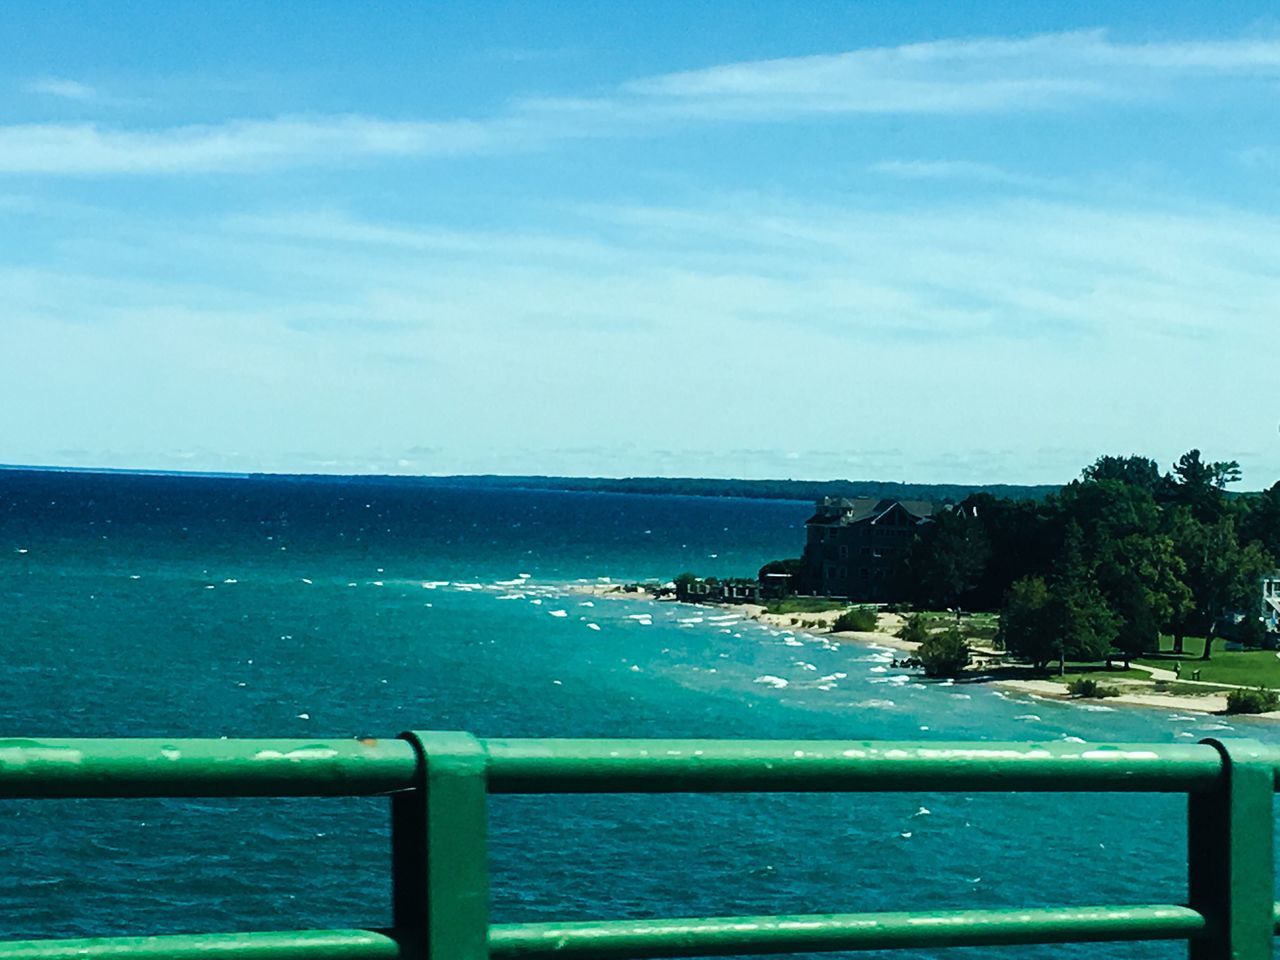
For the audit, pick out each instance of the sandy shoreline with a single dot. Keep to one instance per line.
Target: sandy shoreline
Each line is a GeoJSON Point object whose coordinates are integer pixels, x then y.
{"type": "Point", "coordinates": [1132, 692]}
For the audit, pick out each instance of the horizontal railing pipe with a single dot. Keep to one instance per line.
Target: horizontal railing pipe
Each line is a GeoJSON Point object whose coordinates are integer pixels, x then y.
{"type": "Point", "coordinates": [727, 936]}
{"type": "Point", "coordinates": [276, 945]}
{"type": "Point", "coordinates": [665, 766]}
{"type": "Point", "coordinates": [49, 768]}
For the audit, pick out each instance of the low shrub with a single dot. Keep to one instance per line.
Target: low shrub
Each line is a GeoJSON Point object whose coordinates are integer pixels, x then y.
{"type": "Point", "coordinates": [944, 654]}
{"type": "Point", "coordinates": [1260, 700]}
{"type": "Point", "coordinates": [1091, 689]}
{"type": "Point", "coordinates": [860, 619]}
{"type": "Point", "coordinates": [915, 629]}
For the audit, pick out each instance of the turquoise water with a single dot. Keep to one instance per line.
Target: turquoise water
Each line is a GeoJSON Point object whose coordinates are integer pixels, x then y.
{"type": "Point", "coordinates": [153, 606]}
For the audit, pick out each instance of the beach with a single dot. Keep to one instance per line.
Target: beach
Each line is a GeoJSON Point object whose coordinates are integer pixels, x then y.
{"type": "Point", "coordinates": [1136, 693]}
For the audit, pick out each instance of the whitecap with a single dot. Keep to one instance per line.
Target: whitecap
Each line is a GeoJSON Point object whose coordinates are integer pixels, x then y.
{"type": "Point", "coordinates": [635, 668]}
{"type": "Point", "coordinates": [805, 666]}
{"type": "Point", "coordinates": [593, 626]}
{"type": "Point", "coordinates": [537, 601]}
{"type": "Point", "coordinates": [510, 596]}
{"type": "Point", "coordinates": [793, 642]}
{"type": "Point", "coordinates": [1068, 739]}
{"type": "Point", "coordinates": [305, 580]}
{"type": "Point", "coordinates": [770, 680]}
{"type": "Point", "coordinates": [558, 613]}
{"type": "Point", "coordinates": [1026, 716]}
{"type": "Point", "coordinates": [922, 812]}
{"type": "Point", "coordinates": [876, 704]}
{"type": "Point", "coordinates": [586, 603]}
{"type": "Point", "coordinates": [961, 696]}
{"type": "Point", "coordinates": [304, 716]}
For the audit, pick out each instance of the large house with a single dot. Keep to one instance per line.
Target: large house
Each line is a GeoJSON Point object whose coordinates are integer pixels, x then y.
{"type": "Point", "coordinates": [1270, 589]}
{"type": "Point", "coordinates": [853, 546]}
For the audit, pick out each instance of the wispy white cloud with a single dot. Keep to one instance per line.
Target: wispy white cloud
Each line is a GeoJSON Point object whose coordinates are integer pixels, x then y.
{"type": "Point", "coordinates": [238, 146]}
{"type": "Point", "coordinates": [948, 329]}
{"type": "Point", "coordinates": [967, 170]}
{"type": "Point", "coordinates": [991, 75]}
{"type": "Point", "coordinates": [955, 76]}
{"type": "Point", "coordinates": [61, 87]}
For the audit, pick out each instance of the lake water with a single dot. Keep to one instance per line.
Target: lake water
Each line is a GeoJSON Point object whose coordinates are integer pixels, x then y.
{"type": "Point", "coordinates": [135, 606]}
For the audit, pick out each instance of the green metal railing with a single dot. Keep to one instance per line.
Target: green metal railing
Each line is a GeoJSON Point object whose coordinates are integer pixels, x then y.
{"type": "Point", "coordinates": [439, 785]}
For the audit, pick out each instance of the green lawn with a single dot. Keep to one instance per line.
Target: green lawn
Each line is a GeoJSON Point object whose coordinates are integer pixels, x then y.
{"type": "Point", "coordinates": [806, 605]}
{"type": "Point", "coordinates": [976, 626]}
{"type": "Point", "coordinates": [1089, 671]}
{"type": "Point", "coordinates": [1247, 667]}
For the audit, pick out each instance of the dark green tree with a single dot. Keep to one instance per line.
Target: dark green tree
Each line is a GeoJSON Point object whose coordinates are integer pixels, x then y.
{"type": "Point", "coordinates": [793, 566]}
{"type": "Point", "coordinates": [1133, 471]}
{"type": "Point", "coordinates": [1260, 520]}
{"type": "Point", "coordinates": [947, 562]}
{"type": "Point", "coordinates": [1085, 624]}
{"type": "Point", "coordinates": [1124, 551]}
{"type": "Point", "coordinates": [1221, 574]}
{"type": "Point", "coordinates": [1027, 622]}
{"type": "Point", "coordinates": [944, 654]}
{"type": "Point", "coordinates": [1199, 486]}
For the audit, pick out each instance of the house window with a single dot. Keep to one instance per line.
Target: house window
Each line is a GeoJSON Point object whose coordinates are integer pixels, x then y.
{"type": "Point", "coordinates": [844, 552]}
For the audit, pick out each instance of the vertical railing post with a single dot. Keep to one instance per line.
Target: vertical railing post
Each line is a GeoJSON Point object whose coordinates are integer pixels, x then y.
{"type": "Point", "coordinates": [1231, 876]}
{"type": "Point", "coordinates": [439, 858]}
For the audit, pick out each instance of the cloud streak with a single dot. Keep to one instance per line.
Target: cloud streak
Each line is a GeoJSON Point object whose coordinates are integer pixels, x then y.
{"type": "Point", "coordinates": [1075, 325]}
{"type": "Point", "coordinates": [956, 76]}
{"type": "Point", "coordinates": [948, 77]}
{"type": "Point", "coordinates": [62, 88]}
{"type": "Point", "coordinates": [239, 146]}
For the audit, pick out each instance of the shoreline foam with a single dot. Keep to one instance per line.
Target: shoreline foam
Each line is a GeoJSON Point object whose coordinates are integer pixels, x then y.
{"type": "Point", "coordinates": [1143, 695]}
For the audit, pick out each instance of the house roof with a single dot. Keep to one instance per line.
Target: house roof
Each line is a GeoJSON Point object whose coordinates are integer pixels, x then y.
{"type": "Point", "coordinates": [843, 511]}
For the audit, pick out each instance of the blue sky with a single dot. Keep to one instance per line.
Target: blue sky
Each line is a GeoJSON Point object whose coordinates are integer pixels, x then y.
{"type": "Point", "coordinates": [916, 241]}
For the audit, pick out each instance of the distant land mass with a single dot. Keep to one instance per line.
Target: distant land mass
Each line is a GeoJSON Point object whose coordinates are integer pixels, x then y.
{"type": "Point", "coordinates": [808, 490]}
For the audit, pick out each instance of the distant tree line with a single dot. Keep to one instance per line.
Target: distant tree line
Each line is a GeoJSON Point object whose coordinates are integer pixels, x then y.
{"type": "Point", "coordinates": [1107, 563]}
{"type": "Point", "coordinates": [808, 490]}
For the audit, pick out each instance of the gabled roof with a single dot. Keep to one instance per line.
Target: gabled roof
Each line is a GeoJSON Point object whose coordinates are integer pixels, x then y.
{"type": "Point", "coordinates": [842, 511]}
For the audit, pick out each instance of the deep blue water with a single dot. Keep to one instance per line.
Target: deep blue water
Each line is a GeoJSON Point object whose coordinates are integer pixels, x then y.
{"type": "Point", "coordinates": [168, 607]}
